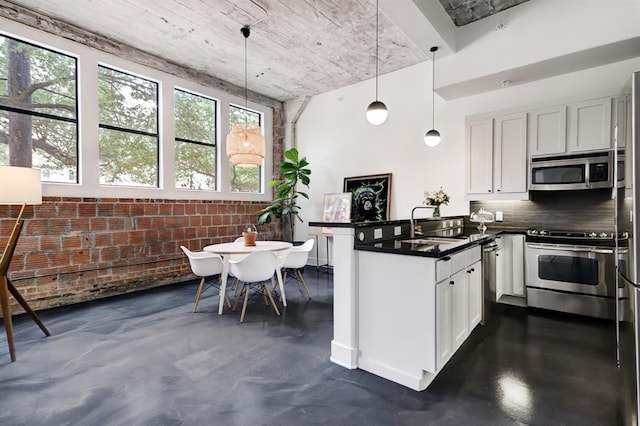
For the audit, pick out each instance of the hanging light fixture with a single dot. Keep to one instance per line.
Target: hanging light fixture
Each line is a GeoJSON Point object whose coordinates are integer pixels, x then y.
{"type": "Point", "coordinates": [377, 111]}
{"type": "Point", "coordinates": [432, 137]}
{"type": "Point", "coordinates": [245, 143]}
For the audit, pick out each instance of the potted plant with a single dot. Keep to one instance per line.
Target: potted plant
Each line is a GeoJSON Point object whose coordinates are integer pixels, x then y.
{"type": "Point", "coordinates": [294, 171]}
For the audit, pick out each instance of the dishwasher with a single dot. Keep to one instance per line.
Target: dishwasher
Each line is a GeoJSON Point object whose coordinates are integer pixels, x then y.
{"type": "Point", "coordinates": [490, 251]}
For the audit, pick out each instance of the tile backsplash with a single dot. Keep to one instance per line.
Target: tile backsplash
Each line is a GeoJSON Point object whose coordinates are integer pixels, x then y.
{"type": "Point", "coordinates": [555, 210]}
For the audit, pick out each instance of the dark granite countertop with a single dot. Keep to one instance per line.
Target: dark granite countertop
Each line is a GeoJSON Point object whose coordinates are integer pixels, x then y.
{"type": "Point", "coordinates": [468, 238]}
{"type": "Point", "coordinates": [417, 249]}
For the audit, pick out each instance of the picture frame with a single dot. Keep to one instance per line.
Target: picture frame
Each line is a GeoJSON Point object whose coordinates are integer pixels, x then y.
{"type": "Point", "coordinates": [337, 208]}
{"type": "Point", "coordinates": [370, 197]}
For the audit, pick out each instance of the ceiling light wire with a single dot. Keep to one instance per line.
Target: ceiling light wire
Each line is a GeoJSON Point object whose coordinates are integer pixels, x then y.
{"type": "Point", "coordinates": [377, 17]}
{"type": "Point", "coordinates": [377, 111]}
{"type": "Point", "coordinates": [433, 87]}
{"type": "Point", "coordinates": [432, 137]}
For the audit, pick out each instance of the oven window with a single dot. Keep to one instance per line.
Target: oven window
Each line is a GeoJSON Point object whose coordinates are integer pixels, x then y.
{"type": "Point", "coordinates": [568, 269]}
{"type": "Point", "coordinates": [558, 174]}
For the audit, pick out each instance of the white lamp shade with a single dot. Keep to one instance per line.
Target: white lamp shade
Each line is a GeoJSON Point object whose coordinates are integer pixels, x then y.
{"type": "Point", "coordinates": [432, 138]}
{"type": "Point", "coordinates": [20, 185]}
{"type": "Point", "coordinates": [377, 113]}
{"type": "Point", "coordinates": [245, 145]}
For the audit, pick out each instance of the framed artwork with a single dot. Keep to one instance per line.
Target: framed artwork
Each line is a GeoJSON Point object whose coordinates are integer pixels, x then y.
{"type": "Point", "coordinates": [370, 197]}
{"type": "Point", "coordinates": [337, 208]}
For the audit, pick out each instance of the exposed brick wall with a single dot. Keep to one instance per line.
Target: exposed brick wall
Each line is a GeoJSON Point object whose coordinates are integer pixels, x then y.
{"type": "Point", "coordinates": [278, 140]}
{"type": "Point", "coordinates": [77, 249]}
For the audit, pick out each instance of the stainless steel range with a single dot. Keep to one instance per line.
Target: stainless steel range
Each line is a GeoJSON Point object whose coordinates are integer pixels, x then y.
{"type": "Point", "coordinates": [573, 272]}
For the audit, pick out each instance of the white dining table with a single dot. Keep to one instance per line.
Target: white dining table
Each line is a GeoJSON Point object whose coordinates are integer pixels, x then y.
{"type": "Point", "coordinates": [227, 250]}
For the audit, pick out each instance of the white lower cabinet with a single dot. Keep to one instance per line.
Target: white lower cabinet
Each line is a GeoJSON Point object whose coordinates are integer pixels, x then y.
{"type": "Point", "coordinates": [444, 327]}
{"type": "Point", "coordinates": [458, 305]}
{"type": "Point", "coordinates": [410, 317]}
{"type": "Point", "coordinates": [474, 283]}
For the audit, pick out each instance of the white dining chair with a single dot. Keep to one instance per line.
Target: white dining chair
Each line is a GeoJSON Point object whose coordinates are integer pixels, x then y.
{"type": "Point", "coordinates": [294, 260]}
{"type": "Point", "coordinates": [204, 265]}
{"type": "Point", "coordinates": [253, 271]}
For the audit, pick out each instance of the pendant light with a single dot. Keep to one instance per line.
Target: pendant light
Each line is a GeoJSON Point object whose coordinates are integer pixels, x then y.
{"type": "Point", "coordinates": [377, 111]}
{"type": "Point", "coordinates": [432, 137]}
{"type": "Point", "coordinates": [245, 143]}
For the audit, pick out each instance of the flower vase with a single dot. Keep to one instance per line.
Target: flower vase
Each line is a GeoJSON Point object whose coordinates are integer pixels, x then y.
{"type": "Point", "coordinates": [436, 211]}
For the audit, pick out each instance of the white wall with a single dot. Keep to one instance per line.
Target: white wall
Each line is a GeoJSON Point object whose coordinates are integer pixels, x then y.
{"type": "Point", "coordinates": [335, 137]}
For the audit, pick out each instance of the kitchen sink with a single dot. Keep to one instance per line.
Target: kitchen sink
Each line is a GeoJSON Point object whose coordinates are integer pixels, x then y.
{"type": "Point", "coordinates": [433, 240]}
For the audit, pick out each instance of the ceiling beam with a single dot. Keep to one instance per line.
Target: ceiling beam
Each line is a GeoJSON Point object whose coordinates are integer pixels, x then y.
{"type": "Point", "coordinates": [424, 22]}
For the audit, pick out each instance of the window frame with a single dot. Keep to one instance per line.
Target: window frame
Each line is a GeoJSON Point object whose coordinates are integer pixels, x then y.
{"type": "Point", "coordinates": [76, 120]}
{"type": "Point", "coordinates": [88, 185]}
{"type": "Point", "coordinates": [215, 144]}
{"type": "Point", "coordinates": [133, 131]}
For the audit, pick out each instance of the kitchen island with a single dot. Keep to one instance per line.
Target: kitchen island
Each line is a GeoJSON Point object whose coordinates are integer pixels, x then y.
{"type": "Point", "coordinates": [402, 309]}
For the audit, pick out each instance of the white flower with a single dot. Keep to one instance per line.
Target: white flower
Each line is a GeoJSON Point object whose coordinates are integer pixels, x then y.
{"type": "Point", "coordinates": [436, 198]}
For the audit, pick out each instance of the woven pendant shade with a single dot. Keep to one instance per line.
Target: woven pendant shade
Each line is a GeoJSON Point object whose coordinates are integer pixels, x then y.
{"type": "Point", "coordinates": [245, 145]}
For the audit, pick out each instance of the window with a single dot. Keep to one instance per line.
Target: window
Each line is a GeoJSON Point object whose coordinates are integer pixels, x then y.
{"type": "Point", "coordinates": [195, 130]}
{"type": "Point", "coordinates": [38, 110]}
{"type": "Point", "coordinates": [244, 178]}
{"type": "Point", "coordinates": [128, 123]}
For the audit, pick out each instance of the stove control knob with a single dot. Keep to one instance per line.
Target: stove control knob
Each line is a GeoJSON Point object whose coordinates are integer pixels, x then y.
{"type": "Point", "coordinates": [533, 232]}
{"type": "Point", "coordinates": [604, 235]}
{"type": "Point", "coordinates": [593, 235]}
{"type": "Point", "coordinates": [543, 232]}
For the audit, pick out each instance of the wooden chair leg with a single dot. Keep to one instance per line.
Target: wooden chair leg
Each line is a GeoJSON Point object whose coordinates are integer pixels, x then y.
{"type": "Point", "coordinates": [264, 291]}
{"type": "Point", "coordinates": [304, 284]}
{"type": "Point", "coordinates": [238, 297]}
{"type": "Point", "coordinates": [244, 305]}
{"type": "Point", "coordinates": [198, 293]}
{"type": "Point", "coordinates": [273, 303]}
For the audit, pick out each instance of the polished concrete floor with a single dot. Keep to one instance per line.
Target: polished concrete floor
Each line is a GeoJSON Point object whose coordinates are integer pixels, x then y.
{"type": "Point", "coordinates": [146, 359]}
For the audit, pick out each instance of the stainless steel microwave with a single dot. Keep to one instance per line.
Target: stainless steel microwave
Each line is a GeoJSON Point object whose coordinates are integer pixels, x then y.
{"type": "Point", "coordinates": [589, 170]}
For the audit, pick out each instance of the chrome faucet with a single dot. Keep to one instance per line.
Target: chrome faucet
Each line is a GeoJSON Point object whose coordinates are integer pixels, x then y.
{"type": "Point", "coordinates": [413, 223]}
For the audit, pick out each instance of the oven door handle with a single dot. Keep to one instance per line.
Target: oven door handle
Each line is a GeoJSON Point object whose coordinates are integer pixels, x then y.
{"type": "Point", "coordinates": [624, 278]}
{"type": "Point", "coordinates": [565, 248]}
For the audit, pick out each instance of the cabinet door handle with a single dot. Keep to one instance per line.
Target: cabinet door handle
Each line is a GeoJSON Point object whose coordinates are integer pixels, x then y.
{"type": "Point", "coordinates": [469, 271]}
{"type": "Point", "coordinates": [497, 254]}
{"type": "Point", "coordinates": [473, 269]}
{"type": "Point", "coordinates": [452, 282]}
{"type": "Point", "coordinates": [446, 258]}
{"type": "Point", "coordinates": [498, 190]}
{"type": "Point", "coordinates": [488, 190]}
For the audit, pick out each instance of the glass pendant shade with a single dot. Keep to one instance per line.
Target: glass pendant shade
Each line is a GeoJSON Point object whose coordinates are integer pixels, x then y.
{"type": "Point", "coordinates": [245, 145]}
{"type": "Point", "coordinates": [377, 113]}
{"type": "Point", "coordinates": [432, 138]}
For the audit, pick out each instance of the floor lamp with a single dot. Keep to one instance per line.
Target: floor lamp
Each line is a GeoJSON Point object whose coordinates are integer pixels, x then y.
{"type": "Point", "coordinates": [20, 186]}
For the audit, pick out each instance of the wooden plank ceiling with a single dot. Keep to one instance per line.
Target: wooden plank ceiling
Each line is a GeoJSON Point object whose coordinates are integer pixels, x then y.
{"type": "Point", "coordinates": [301, 48]}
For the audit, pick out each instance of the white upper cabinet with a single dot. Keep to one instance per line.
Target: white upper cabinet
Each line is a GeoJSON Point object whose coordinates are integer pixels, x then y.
{"type": "Point", "coordinates": [622, 118]}
{"type": "Point", "coordinates": [590, 125]}
{"type": "Point", "coordinates": [497, 157]}
{"type": "Point", "coordinates": [510, 153]}
{"type": "Point", "coordinates": [479, 136]}
{"type": "Point", "coordinates": [548, 130]}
